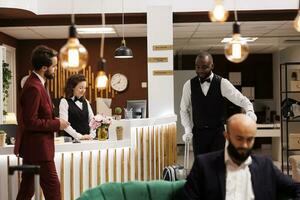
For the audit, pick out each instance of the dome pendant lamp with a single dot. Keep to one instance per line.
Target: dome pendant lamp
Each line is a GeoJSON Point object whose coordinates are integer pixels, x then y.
{"type": "Point", "coordinates": [123, 51]}
{"type": "Point", "coordinates": [73, 55]}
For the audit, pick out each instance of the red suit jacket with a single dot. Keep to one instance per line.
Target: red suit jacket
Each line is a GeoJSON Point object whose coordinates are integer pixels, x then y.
{"type": "Point", "coordinates": [36, 123]}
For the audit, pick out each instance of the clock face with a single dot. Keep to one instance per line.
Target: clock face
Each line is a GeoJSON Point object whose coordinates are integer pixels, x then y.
{"type": "Point", "coordinates": [119, 82]}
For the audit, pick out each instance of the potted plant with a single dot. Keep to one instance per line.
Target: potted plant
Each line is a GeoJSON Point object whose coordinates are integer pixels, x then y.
{"type": "Point", "coordinates": [118, 112]}
{"type": "Point", "coordinates": [6, 82]}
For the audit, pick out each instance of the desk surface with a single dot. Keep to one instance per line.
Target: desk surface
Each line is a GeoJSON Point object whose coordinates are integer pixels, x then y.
{"type": "Point", "coordinates": [83, 146]}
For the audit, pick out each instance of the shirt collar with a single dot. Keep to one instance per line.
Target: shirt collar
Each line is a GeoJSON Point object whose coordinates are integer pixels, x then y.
{"type": "Point", "coordinates": [210, 76]}
{"type": "Point", "coordinates": [228, 160]}
{"type": "Point", "coordinates": [41, 78]}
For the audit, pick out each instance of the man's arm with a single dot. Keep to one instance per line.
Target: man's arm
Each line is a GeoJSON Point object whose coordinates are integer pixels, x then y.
{"type": "Point", "coordinates": [286, 185]}
{"type": "Point", "coordinates": [186, 108]}
{"type": "Point", "coordinates": [193, 186]}
{"type": "Point", "coordinates": [236, 97]}
{"type": "Point", "coordinates": [31, 103]}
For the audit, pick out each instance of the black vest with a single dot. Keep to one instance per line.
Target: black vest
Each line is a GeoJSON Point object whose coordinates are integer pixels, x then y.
{"type": "Point", "coordinates": [208, 111]}
{"type": "Point", "coordinates": [78, 119]}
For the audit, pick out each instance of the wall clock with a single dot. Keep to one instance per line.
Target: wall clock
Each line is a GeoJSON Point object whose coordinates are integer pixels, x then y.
{"type": "Point", "coordinates": [119, 82]}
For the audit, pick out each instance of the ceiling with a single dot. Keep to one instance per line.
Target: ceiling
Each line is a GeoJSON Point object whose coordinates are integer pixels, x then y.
{"type": "Point", "coordinates": [191, 31]}
{"type": "Point", "coordinates": [188, 37]}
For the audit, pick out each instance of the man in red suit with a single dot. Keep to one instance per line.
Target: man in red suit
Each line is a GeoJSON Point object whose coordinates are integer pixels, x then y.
{"type": "Point", "coordinates": [37, 124]}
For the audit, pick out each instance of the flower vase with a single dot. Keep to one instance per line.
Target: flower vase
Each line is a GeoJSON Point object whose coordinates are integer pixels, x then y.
{"type": "Point", "coordinates": [102, 133]}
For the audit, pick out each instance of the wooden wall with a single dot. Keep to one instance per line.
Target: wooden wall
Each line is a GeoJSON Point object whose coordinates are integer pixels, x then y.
{"type": "Point", "coordinates": [135, 69]}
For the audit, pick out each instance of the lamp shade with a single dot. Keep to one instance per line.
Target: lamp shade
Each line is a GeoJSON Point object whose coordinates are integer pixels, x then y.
{"type": "Point", "coordinates": [218, 14]}
{"type": "Point", "coordinates": [237, 49]}
{"type": "Point", "coordinates": [123, 51]}
{"type": "Point", "coordinates": [73, 55]}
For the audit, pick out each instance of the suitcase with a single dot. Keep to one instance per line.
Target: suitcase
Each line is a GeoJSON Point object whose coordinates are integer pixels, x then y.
{"type": "Point", "coordinates": [178, 172]}
{"type": "Point", "coordinates": [33, 169]}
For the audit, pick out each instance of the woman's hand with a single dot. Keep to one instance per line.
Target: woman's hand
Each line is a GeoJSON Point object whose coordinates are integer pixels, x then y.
{"type": "Point", "coordinates": [86, 137]}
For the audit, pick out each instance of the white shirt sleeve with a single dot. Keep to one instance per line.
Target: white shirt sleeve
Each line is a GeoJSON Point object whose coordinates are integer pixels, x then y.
{"type": "Point", "coordinates": [186, 108]}
{"type": "Point", "coordinates": [64, 114]}
{"type": "Point", "coordinates": [235, 96]}
{"type": "Point", "coordinates": [91, 115]}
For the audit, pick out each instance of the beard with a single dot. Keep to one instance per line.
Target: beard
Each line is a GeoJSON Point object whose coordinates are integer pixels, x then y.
{"type": "Point", "coordinates": [237, 156]}
{"type": "Point", "coordinates": [49, 75]}
{"type": "Point", "coordinates": [203, 75]}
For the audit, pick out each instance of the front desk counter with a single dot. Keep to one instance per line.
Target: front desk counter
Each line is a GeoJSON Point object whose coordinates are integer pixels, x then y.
{"type": "Point", "coordinates": [147, 147]}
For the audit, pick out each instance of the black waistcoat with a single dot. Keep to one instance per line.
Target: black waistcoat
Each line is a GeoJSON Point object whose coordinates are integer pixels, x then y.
{"type": "Point", "coordinates": [208, 111]}
{"type": "Point", "coordinates": [79, 119]}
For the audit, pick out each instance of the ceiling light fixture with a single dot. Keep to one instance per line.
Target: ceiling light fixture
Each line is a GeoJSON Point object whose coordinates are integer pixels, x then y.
{"type": "Point", "coordinates": [101, 79]}
{"type": "Point", "coordinates": [297, 20]}
{"type": "Point", "coordinates": [219, 13]}
{"type": "Point", "coordinates": [96, 30]}
{"type": "Point", "coordinates": [237, 49]}
{"type": "Point", "coordinates": [73, 55]}
{"type": "Point", "coordinates": [247, 39]}
{"type": "Point", "coordinates": [123, 51]}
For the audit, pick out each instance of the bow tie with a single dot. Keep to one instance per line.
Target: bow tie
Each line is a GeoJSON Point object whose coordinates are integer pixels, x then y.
{"type": "Point", "coordinates": [78, 99]}
{"type": "Point", "coordinates": [202, 80]}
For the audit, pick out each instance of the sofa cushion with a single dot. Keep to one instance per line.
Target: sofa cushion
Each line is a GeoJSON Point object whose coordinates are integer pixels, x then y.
{"type": "Point", "coordinates": [152, 190]}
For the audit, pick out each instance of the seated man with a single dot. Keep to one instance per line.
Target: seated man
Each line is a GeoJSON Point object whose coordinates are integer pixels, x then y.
{"type": "Point", "coordinates": [234, 173]}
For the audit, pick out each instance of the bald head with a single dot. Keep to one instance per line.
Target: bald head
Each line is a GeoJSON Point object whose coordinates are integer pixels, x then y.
{"type": "Point", "coordinates": [240, 133]}
{"type": "Point", "coordinates": [241, 123]}
{"type": "Point", "coordinates": [204, 64]}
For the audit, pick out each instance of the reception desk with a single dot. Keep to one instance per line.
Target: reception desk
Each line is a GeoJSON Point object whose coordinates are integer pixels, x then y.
{"type": "Point", "coordinates": [147, 147]}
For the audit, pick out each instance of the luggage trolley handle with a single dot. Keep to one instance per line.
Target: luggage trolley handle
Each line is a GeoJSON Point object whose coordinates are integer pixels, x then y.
{"type": "Point", "coordinates": [186, 154]}
{"type": "Point", "coordinates": [33, 169]}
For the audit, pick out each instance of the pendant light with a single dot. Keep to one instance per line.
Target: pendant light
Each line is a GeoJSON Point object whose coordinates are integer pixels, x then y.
{"type": "Point", "coordinates": [237, 49]}
{"type": "Point", "coordinates": [219, 13]}
{"type": "Point", "coordinates": [297, 20]}
{"type": "Point", "coordinates": [101, 79]}
{"type": "Point", "coordinates": [73, 55]}
{"type": "Point", "coordinates": [123, 51]}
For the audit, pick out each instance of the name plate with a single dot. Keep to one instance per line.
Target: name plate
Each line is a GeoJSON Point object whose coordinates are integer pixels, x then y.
{"type": "Point", "coordinates": [157, 59]}
{"type": "Point", "coordinates": [162, 72]}
{"type": "Point", "coordinates": [162, 47]}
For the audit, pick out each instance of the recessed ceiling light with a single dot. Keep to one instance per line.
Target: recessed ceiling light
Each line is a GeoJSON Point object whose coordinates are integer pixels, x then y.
{"type": "Point", "coordinates": [247, 39]}
{"type": "Point", "coordinates": [96, 30]}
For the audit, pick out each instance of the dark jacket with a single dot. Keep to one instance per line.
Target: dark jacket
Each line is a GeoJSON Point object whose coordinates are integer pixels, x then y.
{"type": "Point", "coordinates": [207, 179]}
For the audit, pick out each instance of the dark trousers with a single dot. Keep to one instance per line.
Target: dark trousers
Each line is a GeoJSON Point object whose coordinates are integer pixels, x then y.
{"type": "Point", "coordinates": [207, 140]}
{"type": "Point", "coordinates": [48, 181]}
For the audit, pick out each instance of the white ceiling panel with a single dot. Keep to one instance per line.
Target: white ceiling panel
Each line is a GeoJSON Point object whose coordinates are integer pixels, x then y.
{"type": "Point", "coordinates": [271, 35]}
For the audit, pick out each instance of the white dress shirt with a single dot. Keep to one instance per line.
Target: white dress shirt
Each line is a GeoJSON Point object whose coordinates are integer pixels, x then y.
{"type": "Point", "coordinates": [41, 78]}
{"type": "Point", "coordinates": [227, 90]}
{"type": "Point", "coordinates": [238, 179]}
{"type": "Point", "coordinates": [64, 114]}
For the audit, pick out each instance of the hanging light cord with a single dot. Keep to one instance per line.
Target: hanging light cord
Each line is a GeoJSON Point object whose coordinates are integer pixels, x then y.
{"type": "Point", "coordinates": [123, 18]}
{"type": "Point", "coordinates": [102, 35]}
{"type": "Point", "coordinates": [72, 15]}
{"type": "Point", "coordinates": [235, 12]}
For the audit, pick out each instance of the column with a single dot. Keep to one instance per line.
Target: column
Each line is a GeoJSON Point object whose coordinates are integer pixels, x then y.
{"type": "Point", "coordinates": [160, 60]}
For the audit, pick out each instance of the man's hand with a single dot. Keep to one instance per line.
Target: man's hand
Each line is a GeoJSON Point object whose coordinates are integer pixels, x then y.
{"type": "Point", "coordinates": [63, 124]}
{"type": "Point", "coordinates": [86, 137]}
{"type": "Point", "coordinates": [187, 137]}
{"type": "Point", "coordinates": [251, 115]}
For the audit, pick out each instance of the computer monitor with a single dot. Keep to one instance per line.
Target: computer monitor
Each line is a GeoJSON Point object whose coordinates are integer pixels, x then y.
{"type": "Point", "coordinates": [138, 108]}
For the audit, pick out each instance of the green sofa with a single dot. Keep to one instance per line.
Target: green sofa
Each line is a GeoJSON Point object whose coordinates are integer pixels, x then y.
{"type": "Point", "coordinates": [135, 190]}
{"type": "Point", "coordinates": [138, 190]}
